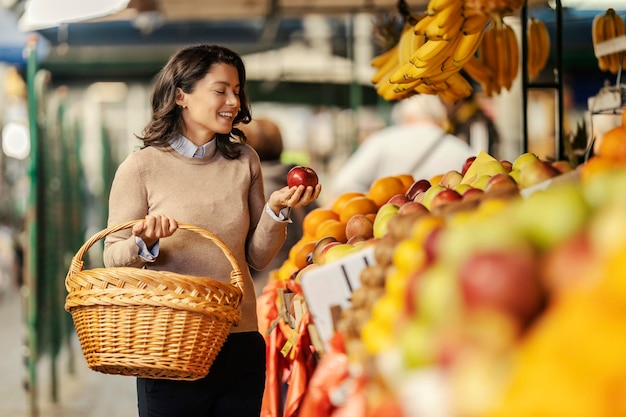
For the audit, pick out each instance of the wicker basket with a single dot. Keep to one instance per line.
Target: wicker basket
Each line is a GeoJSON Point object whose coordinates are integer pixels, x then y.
{"type": "Point", "coordinates": [151, 324]}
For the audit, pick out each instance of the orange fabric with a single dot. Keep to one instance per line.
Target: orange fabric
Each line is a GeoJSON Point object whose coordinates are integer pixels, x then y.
{"type": "Point", "coordinates": [302, 368]}
{"type": "Point", "coordinates": [329, 374]}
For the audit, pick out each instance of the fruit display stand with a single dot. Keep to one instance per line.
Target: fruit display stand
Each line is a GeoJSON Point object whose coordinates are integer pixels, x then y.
{"type": "Point", "coordinates": [504, 305]}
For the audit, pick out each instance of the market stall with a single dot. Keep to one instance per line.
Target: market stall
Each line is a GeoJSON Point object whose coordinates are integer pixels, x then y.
{"type": "Point", "coordinates": [492, 290]}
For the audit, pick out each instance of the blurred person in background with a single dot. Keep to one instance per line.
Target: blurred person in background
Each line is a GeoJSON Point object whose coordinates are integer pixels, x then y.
{"type": "Point", "coordinates": [416, 143]}
{"type": "Point", "coordinates": [470, 123]}
{"type": "Point", "coordinates": [265, 137]}
{"type": "Point", "coordinates": [195, 167]}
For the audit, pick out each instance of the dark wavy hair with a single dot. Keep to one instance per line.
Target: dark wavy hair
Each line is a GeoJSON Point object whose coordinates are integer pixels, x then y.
{"type": "Point", "coordinates": [183, 70]}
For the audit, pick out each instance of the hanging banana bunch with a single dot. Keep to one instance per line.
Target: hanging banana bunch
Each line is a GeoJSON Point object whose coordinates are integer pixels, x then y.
{"type": "Point", "coordinates": [538, 47]}
{"type": "Point", "coordinates": [431, 52]}
{"type": "Point", "coordinates": [499, 53]}
{"type": "Point", "coordinates": [604, 27]}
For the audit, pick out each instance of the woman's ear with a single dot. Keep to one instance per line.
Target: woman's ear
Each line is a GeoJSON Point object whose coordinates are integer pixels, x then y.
{"type": "Point", "coordinates": [180, 97]}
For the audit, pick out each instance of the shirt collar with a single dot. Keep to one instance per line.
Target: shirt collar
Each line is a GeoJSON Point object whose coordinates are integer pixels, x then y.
{"type": "Point", "coordinates": [187, 148]}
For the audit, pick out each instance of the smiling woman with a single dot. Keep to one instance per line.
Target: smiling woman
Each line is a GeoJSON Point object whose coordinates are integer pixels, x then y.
{"type": "Point", "coordinates": [195, 167]}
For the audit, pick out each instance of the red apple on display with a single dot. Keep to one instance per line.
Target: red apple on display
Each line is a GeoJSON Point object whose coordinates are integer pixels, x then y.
{"type": "Point", "coordinates": [359, 225]}
{"type": "Point", "coordinates": [467, 164]}
{"type": "Point", "coordinates": [444, 196]}
{"type": "Point", "coordinates": [300, 175]}
{"type": "Point", "coordinates": [417, 187]}
{"type": "Point", "coordinates": [451, 179]}
{"type": "Point", "coordinates": [399, 200]}
{"type": "Point", "coordinates": [502, 182]}
{"type": "Point", "coordinates": [506, 280]}
{"type": "Point", "coordinates": [412, 207]}
{"type": "Point", "coordinates": [472, 194]}
{"type": "Point", "coordinates": [508, 165]}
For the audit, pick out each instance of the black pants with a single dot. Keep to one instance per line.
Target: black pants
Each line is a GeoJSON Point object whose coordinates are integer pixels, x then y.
{"type": "Point", "coordinates": [234, 386]}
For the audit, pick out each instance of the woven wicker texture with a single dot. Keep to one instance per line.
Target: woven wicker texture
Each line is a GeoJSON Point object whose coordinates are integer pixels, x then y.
{"type": "Point", "coordinates": [151, 324]}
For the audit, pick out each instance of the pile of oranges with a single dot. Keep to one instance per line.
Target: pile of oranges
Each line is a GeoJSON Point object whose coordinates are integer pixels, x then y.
{"type": "Point", "coordinates": [611, 152]}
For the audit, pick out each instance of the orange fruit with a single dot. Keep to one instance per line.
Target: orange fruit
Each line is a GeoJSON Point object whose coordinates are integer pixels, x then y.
{"type": "Point", "coordinates": [357, 205]}
{"type": "Point", "coordinates": [436, 179]}
{"type": "Point", "coordinates": [384, 188]}
{"type": "Point", "coordinates": [332, 227]}
{"type": "Point", "coordinates": [594, 166]}
{"type": "Point", "coordinates": [407, 180]}
{"type": "Point", "coordinates": [613, 144]}
{"type": "Point", "coordinates": [300, 251]}
{"type": "Point", "coordinates": [316, 216]}
{"type": "Point", "coordinates": [341, 201]}
{"type": "Point", "coordinates": [371, 216]}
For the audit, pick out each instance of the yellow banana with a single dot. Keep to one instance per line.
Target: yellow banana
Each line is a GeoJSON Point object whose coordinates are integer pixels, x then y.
{"type": "Point", "coordinates": [422, 24]}
{"type": "Point", "coordinates": [504, 56]}
{"type": "Point", "coordinates": [468, 44]}
{"type": "Point", "coordinates": [431, 49]}
{"type": "Point", "coordinates": [513, 48]}
{"type": "Point", "coordinates": [619, 31]}
{"type": "Point", "coordinates": [426, 89]}
{"type": "Point", "coordinates": [405, 44]}
{"type": "Point", "coordinates": [406, 73]}
{"type": "Point", "coordinates": [478, 71]}
{"type": "Point", "coordinates": [389, 65]}
{"type": "Point", "coordinates": [437, 6]}
{"type": "Point", "coordinates": [380, 59]}
{"type": "Point", "coordinates": [449, 30]}
{"type": "Point", "coordinates": [538, 47]}
{"type": "Point", "coordinates": [609, 33]}
{"type": "Point", "coordinates": [475, 23]}
{"type": "Point", "coordinates": [534, 45]}
{"type": "Point", "coordinates": [459, 85]}
{"type": "Point", "coordinates": [597, 35]}
{"type": "Point", "coordinates": [488, 55]}
{"type": "Point", "coordinates": [446, 23]}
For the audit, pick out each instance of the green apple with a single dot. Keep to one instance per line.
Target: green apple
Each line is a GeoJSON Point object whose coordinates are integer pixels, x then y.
{"type": "Point", "coordinates": [430, 194]}
{"type": "Point", "coordinates": [336, 252]}
{"type": "Point", "coordinates": [550, 216]}
{"type": "Point", "coordinates": [524, 159]}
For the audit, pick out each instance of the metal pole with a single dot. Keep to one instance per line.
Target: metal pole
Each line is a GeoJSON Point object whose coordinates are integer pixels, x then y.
{"type": "Point", "coordinates": [32, 228]}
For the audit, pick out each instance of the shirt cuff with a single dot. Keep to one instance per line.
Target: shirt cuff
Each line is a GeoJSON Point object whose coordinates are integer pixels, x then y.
{"type": "Point", "coordinates": [283, 215]}
{"type": "Point", "coordinates": [144, 252]}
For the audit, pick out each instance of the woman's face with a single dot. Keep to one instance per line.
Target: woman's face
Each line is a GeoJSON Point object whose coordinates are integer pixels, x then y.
{"type": "Point", "coordinates": [212, 106]}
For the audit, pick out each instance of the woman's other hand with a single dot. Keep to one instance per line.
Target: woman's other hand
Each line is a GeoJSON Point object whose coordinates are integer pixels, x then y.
{"type": "Point", "coordinates": [293, 197]}
{"type": "Point", "coordinates": [154, 227]}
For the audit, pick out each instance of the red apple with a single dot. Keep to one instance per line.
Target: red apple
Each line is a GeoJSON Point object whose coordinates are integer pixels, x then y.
{"type": "Point", "coordinates": [467, 164]}
{"type": "Point", "coordinates": [505, 280]}
{"type": "Point", "coordinates": [417, 187]}
{"type": "Point", "coordinates": [472, 194]}
{"type": "Point", "coordinates": [320, 246]}
{"type": "Point", "coordinates": [399, 200]}
{"type": "Point", "coordinates": [535, 172]}
{"type": "Point", "coordinates": [508, 165]}
{"type": "Point", "coordinates": [445, 196]}
{"type": "Point", "coordinates": [412, 207]}
{"type": "Point", "coordinates": [359, 225]}
{"type": "Point", "coordinates": [300, 175]}
{"type": "Point", "coordinates": [501, 182]}
{"type": "Point", "coordinates": [451, 179]}
{"type": "Point", "coordinates": [563, 166]}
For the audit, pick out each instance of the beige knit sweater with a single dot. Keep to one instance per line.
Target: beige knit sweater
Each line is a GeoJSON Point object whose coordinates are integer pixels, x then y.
{"type": "Point", "coordinates": [222, 196]}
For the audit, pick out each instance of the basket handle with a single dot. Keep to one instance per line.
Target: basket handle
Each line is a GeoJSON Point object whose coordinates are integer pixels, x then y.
{"type": "Point", "coordinates": [235, 276]}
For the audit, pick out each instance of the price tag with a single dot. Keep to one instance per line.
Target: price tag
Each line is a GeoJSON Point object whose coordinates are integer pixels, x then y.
{"type": "Point", "coordinates": [328, 288]}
